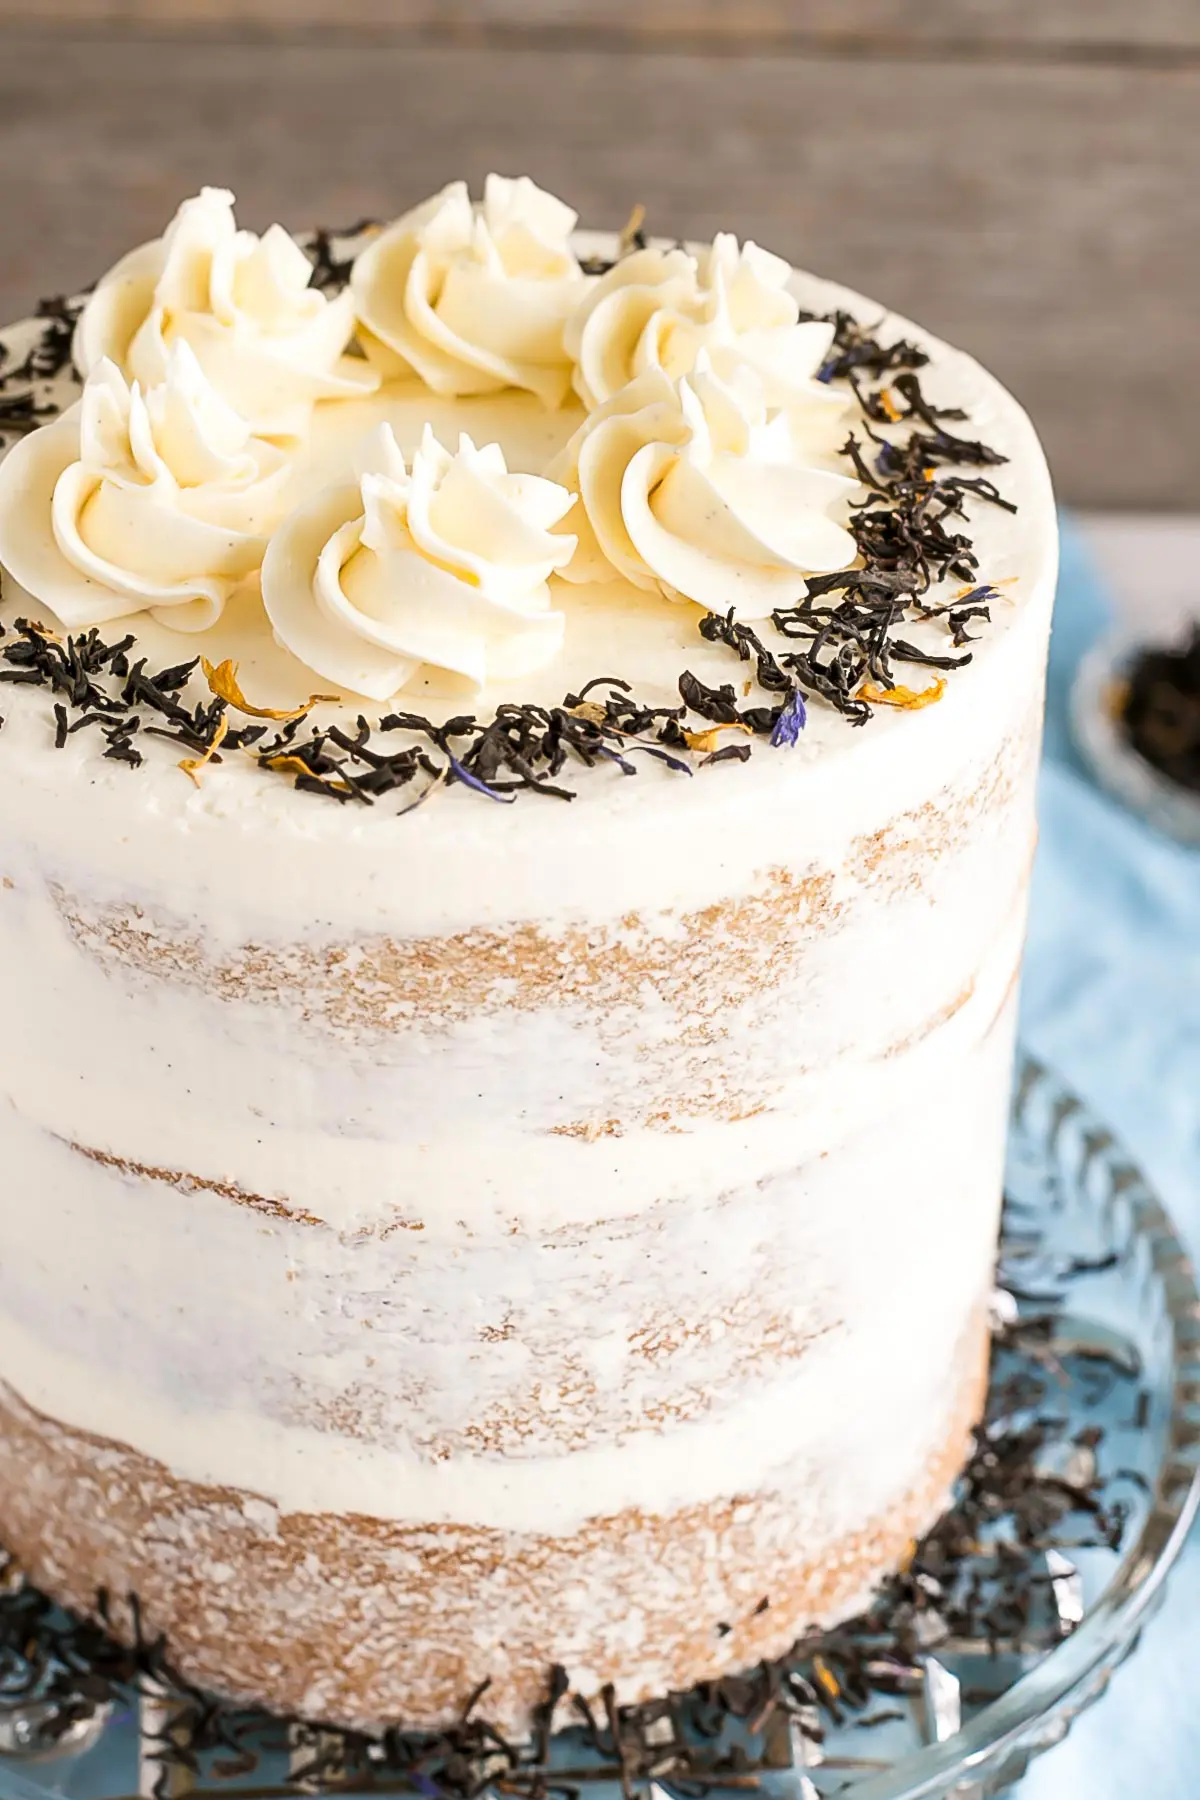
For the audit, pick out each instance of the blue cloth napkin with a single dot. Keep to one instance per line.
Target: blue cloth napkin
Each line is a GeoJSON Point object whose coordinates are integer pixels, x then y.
{"type": "Point", "coordinates": [1111, 1000]}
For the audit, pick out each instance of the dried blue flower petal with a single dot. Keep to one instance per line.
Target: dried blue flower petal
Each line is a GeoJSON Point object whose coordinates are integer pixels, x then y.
{"type": "Point", "coordinates": [984, 592]}
{"type": "Point", "coordinates": [622, 762]}
{"type": "Point", "coordinates": [464, 775]}
{"type": "Point", "coordinates": [791, 721]}
{"type": "Point", "coordinates": [672, 762]}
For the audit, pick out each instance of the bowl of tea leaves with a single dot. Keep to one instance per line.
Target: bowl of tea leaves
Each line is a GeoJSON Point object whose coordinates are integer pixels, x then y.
{"type": "Point", "coordinates": [1136, 715]}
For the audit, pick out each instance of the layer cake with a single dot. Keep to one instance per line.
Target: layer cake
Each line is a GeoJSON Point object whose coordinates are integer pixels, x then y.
{"type": "Point", "coordinates": [451, 1228]}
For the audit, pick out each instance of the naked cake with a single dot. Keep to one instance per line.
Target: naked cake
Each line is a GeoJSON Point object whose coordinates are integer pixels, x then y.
{"type": "Point", "coordinates": [516, 805]}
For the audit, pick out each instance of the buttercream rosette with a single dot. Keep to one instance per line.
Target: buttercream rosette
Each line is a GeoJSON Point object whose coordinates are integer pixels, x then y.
{"type": "Point", "coordinates": [693, 487]}
{"type": "Point", "coordinates": [659, 308]}
{"type": "Point", "coordinates": [269, 342]}
{"type": "Point", "coordinates": [473, 299]}
{"type": "Point", "coordinates": [444, 564]}
{"type": "Point", "coordinates": [132, 501]}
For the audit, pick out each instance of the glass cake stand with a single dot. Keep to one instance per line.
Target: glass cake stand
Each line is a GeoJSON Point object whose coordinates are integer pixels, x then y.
{"type": "Point", "coordinates": [1095, 1383]}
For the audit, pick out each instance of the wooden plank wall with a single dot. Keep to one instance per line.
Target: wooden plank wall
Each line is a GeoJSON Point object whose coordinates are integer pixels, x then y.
{"type": "Point", "coordinates": [1118, 23]}
{"type": "Point", "coordinates": [1023, 177]}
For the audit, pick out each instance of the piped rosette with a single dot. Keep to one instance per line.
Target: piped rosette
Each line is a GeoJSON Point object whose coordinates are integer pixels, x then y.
{"type": "Point", "coordinates": [474, 298]}
{"type": "Point", "coordinates": [132, 501]}
{"type": "Point", "coordinates": [443, 565]}
{"type": "Point", "coordinates": [269, 342]}
{"type": "Point", "coordinates": [693, 487]}
{"type": "Point", "coordinates": [661, 308]}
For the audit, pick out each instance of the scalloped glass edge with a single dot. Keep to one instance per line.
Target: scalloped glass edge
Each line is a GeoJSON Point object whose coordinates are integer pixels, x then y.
{"type": "Point", "coordinates": [993, 1750]}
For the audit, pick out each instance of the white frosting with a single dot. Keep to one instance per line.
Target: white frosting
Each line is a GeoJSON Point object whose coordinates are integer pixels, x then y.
{"type": "Point", "coordinates": [659, 308]}
{"type": "Point", "coordinates": [705, 477]}
{"type": "Point", "coordinates": [395, 1161]}
{"type": "Point", "coordinates": [135, 502]}
{"type": "Point", "coordinates": [229, 1414]}
{"type": "Point", "coordinates": [268, 341]}
{"type": "Point", "coordinates": [693, 487]}
{"type": "Point", "coordinates": [473, 299]}
{"type": "Point", "coordinates": [446, 565]}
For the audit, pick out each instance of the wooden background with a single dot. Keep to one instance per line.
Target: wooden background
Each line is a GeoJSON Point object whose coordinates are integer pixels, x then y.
{"type": "Point", "coordinates": [1022, 175]}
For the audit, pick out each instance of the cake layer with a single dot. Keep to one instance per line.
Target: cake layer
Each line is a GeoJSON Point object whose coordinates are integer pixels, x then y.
{"type": "Point", "coordinates": [354, 1620]}
{"type": "Point", "coordinates": [430, 1376]}
{"type": "Point", "coordinates": [323, 1076]}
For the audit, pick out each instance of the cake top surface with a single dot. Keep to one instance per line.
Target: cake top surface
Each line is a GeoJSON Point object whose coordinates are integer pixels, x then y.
{"type": "Point", "coordinates": [477, 500]}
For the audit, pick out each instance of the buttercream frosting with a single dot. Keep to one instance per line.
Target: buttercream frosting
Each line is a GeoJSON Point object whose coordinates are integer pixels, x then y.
{"type": "Point", "coordinates": [692, 487]}
{"type": "Point", "coordinates": [658, 308]}
{"type": "Point", "coordinates": [134, 502]}
{"type": "Point", "coordinates": [269, 341]}
{"type": "Point", "coordinates": [473, 299]}
{"type": "Point", "coordinates": [444, 564]}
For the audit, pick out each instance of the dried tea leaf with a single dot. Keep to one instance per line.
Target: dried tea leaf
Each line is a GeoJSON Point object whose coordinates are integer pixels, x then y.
{"type": "Point", "coordinates": [296, 765]}
{"type": "Point", "coordinates": [435, 786]}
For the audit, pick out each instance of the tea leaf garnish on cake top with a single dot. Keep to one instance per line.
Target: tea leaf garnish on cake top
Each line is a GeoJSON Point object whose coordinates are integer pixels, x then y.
{"type": "Point", "coordinates": [48, 356]}
{"type": "Point", "coordinates": [836, 643]}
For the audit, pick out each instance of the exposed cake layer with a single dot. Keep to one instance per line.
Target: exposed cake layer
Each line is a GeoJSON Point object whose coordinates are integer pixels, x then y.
{"type": "Point", "coordinates": [676, 1154]}
{"type": "Point", "coordinates": [354, 1619]}
{"type": "Point", "coordinates": [442, 1379]}
{"type": "Point", "coordinates": [324, 1077]}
